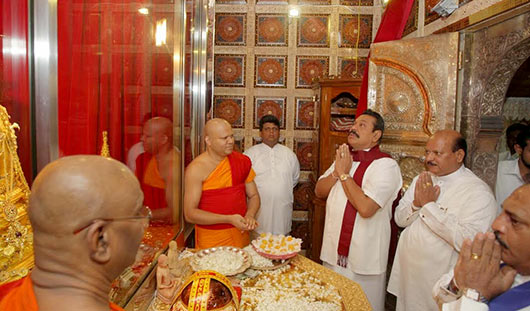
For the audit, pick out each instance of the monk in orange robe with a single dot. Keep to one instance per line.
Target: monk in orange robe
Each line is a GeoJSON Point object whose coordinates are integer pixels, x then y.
{"type": "Point", "coordinates": [88, 221]}
{"type": "Point", "coordinates": [220, 197]}
{"type": "Point", "coordinates": [158, 169]}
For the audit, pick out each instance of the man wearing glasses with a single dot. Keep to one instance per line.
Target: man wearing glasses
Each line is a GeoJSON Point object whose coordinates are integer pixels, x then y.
{"type": "Point", "coordinates": [88, 221]}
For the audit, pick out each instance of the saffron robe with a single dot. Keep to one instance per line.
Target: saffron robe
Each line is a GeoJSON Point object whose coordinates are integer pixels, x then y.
{"type": "Point", "coordinates": [153, 186]}
{"type": "Point", "coordinates": [223, 192]}
{"type": "Point", "coordinates": [22, 298]}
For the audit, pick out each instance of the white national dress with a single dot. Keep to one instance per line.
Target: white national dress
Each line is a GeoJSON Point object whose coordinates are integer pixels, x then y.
{"type": "Point", "coordinates": [429, 245]}
{"type": "Point", "coordinates": [277, 172]}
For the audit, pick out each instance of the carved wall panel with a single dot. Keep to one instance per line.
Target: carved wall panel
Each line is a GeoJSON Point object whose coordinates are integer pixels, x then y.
{"type": "Point", "coordinates": [493, 55]}
{"type": "Point", "coordinates": [415, 92]}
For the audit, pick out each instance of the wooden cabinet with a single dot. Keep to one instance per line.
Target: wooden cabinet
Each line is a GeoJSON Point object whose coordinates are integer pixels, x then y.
{"type": "Point", "coordinates": [338, 104]}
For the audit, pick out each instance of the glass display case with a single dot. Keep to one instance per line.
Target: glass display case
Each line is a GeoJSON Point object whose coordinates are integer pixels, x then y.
{"type": "Point", "coordinates": [126, 85]}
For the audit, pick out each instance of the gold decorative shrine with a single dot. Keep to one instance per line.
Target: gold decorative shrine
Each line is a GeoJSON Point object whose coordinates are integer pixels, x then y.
{"type": "Point", "coordinates": [16, 236]}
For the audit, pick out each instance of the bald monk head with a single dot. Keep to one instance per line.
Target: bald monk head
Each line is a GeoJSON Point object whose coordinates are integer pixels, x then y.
{"type": "Point", "coordinates": [81, 240]}
{"type": "Point", "coordinates": [445, 152]}
{"type": "Point", "coordinates": [219, 137]}
{"type": "Point", "coordinates": [157, 136]}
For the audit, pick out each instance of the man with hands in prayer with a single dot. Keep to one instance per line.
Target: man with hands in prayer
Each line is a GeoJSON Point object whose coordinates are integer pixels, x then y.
{"type": "Point", "coordinates": [479, 282]}
{"type": "Point", "coordinates": [360, 187]}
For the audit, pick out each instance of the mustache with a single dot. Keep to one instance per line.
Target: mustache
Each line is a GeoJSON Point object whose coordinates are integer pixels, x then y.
{"type": "Point", "coordinates": [498, 238]}
{"type": "Point", "coordinates": [430, 163]}
{"type": "Point", "coordinates": [352, 132]}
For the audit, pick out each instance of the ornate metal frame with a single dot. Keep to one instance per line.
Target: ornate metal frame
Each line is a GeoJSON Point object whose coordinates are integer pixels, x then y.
{"type": "Point", "coordinates": [492, 55]}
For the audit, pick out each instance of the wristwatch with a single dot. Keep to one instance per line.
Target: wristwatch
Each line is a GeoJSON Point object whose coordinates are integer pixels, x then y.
{"type": "Point", "coordinates": [474, 295]}
{"type": "Point", "coordinates": [343, 177]}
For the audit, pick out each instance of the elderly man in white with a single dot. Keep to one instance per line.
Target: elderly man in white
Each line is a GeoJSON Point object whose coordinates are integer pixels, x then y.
{"type": "Point", "coordinates": [442, 207]}
{"type": "Point", "coordinates": [277, 172]}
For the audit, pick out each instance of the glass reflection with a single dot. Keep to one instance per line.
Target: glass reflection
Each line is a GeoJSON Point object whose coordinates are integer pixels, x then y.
{"type": "Point", "coordinates": [117, 73]}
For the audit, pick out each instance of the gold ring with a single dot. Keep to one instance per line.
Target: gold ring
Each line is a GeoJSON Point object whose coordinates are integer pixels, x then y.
{"type": "Point", "coordinates": [475, 256]}
{"type": "Point", "coordinates": [428, 184]}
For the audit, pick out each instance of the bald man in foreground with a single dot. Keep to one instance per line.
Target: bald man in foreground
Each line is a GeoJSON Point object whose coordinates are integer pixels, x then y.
{"type": "Point", "coordinates": [442, 207]}
{"type": "Point", "coordinates": [88, 220]}
{"type": "Point", "coordinates": [220, 196]}
{"type": "Point", "coordinates": [158, 168]}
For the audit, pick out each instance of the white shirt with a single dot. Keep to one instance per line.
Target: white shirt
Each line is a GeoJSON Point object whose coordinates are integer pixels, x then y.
{"type": "Point", "coordinates": [508, 179]}
{"type": "Point", "coordinates": [371, 236]}
{"type": "Point", "coordinates": [507, 155]}
{"type": "Point", "coordinates": [277, 172]}
{"type": "Point", "coordinates": [451, 302]}
{"type": "Point", "coordinates": [429, 245]}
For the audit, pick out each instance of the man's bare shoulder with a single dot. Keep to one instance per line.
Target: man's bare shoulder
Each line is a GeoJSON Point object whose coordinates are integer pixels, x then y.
{"type": "Point", "coordinates": [200, 167]}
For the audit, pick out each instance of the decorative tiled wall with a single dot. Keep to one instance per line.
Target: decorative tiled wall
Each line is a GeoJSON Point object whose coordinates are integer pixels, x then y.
{"type": "Point", "coordinates": [265, 62]}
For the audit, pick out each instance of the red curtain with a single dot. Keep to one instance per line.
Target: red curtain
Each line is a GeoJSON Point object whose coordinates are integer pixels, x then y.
{"type": "Point", "coordinates": [14, 80]}
{"type": "Point", "coordinates": [105, 56]}
{"type": "Point", "coordinates": [391, 28]}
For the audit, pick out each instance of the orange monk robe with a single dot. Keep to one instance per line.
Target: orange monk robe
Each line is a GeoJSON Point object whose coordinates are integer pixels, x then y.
{"type": "Point", "coordinates": [220, 179]}
{"type": "Point", "coordinates": [153, 186]}
{"type": "Point", "coordinates": [22, 298]}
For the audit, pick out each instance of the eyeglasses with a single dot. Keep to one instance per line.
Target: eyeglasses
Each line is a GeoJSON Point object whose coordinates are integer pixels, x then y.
{"type": "Point", "coordinates": [144, 214]}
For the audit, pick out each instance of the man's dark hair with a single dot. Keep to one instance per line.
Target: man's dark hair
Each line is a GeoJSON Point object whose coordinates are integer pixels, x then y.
{"type": "Point", "coordinates": [460, 143]}
{"type": "Point", "coordinates": [515, 127]}
{"type": "Point", "coordinates": [523, 137]}
{"type": "Point", "coordinates": [379, 123]}
{"type": "Point", "coordinates": [268, 119]}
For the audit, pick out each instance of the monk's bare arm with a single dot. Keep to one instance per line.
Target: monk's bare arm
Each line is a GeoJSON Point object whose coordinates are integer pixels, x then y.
{"type": "Point", "coordinates": [171, 177]}
{"type": "Point", "coordinates": [192, 196]}
{"type": "Point", "coordinates": [253, 204]}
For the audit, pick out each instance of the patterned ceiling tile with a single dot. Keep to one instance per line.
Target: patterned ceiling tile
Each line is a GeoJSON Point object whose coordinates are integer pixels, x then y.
{"type": "Point", "coordinates": [357, 2]}
{"type": "Point", "coordinates": [351, 68]}
{"type": "Point", "coordinates": [229, 70]}
{"type": "Point", "coordinates": [271, 71]}
{"type": "Point", "coordinates": [230, 108]}
{"type": "Point", "coordinates": [303, 148]}
{"type": "Point", "coordinates": [303, 194]}
{"type": "Point", "coordinates": [272, 30]}
{"type": "Point", "coordinates": [350, 31]}
{"type": "Point", "coordinates": [430, 16]}
{"type": "Point", "coordinates": [269, 105]}
{"type": "Point", "coordinates": [313, 31]}
{"type": "Point", "coordinates": [305, 113]}
{"type": "Point", "coordinates": [412, 22]}
{"type": "Point", "coordinates": [230, 29]}
{"type": "Point", "coordinates": [310, 67]}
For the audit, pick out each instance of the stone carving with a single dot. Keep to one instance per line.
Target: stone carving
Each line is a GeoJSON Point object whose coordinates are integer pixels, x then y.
{"type": "Point", "coordinates": [487, 162]}
{"type": "Point", "coordinates": [500, 80]}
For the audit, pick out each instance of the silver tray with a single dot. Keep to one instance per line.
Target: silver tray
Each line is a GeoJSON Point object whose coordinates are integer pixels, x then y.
{"type": "Point", "coordinates": [247, 261]}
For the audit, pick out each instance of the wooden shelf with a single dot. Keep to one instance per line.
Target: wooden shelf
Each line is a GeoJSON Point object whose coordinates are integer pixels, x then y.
{"type": "Point", "coordinates": [343, 111]}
